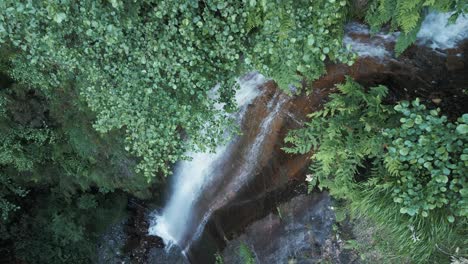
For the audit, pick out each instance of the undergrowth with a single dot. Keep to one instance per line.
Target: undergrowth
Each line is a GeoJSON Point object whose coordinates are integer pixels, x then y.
{"type": "Point", "coordinates": [402, 167]}
{"type": "Point", "coordinates": [404, 239]}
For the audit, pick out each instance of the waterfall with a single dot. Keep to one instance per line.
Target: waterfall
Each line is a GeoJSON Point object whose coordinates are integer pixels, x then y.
{"type": "Point", "coordinates": [200, 185]}
{"type": "Point", "coordinates": [251, 158]}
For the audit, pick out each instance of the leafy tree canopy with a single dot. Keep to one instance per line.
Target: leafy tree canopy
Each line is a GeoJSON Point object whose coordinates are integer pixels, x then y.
{"type": "Point", "coordinates": [146, 66]}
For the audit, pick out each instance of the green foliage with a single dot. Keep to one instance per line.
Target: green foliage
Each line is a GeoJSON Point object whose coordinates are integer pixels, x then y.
{"type": "Point", "coordinates": [59, 161]}
{"type": "Point", "coordinates": [403, 167]}
{"type": "Point", "coordinates": [296, 36]}
{"type": "Point", "coordinates": [69, 155]}
{"type": "Point", "coordinates": [145, 67]}
{"type": "Point", "coordinates": [9, 191]}
{"type": "Point", "coordinates": [20, 148]}
{"type": "Point", "coordinates": [342, 136]}
{"type": "Point", "coordinates": [219, 258]}
{"type": "Point", "coordinates": [408, 16]}
{"type": "Point", "coordinates": [398, 238]}
{"type": "Point", "coordinates": [59, 230]}
{"type": "Point", "coordinates": [246, 255]}
{"type": "Point", "coordinates": [428, 161]}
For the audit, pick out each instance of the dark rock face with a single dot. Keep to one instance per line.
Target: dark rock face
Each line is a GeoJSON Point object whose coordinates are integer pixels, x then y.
{"type": "Point", "coordinates": [300, 231]}
{"type": "Point", "coordinates": [276, 178]}
{"type": "Point", "coordinates": [138, 244]}
{"type": "Point", "coordinates": [419, 72]}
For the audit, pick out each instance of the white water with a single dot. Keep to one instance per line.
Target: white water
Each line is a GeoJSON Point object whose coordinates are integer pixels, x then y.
{"type": "Point", "coordinates": [374, 46]}
{"type": "Point", "coordinates": [364, 49]}
{"type": "Point", "coordinates": [249, 165]}
{"type": "Point", "coordinates": [191, 176]}
{"type": "Point", "coordinates": [436, 33]}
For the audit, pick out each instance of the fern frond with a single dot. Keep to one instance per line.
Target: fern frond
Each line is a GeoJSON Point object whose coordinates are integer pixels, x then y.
{"type": "Point", "coordinates": [405, 40]}
{"type": "Point", "coordinates": [393, 166]}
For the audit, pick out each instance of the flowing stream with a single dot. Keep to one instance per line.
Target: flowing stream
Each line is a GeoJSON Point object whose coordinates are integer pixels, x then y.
{"type": "Point", "coordinates": [210, 180]}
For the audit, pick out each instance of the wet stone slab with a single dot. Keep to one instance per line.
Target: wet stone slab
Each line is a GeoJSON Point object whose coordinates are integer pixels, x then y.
{"type": "Point", "coordinates": [301, 231]}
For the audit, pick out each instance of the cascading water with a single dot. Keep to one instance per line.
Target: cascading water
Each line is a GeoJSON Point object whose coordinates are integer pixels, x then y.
{"type": "Point", "coordinates": [251, 155]}
{"type": "Point", "coordinates": [373, 47]}
{"type": "Point", "coordinates": [436, 32]}
{"type": "Point", "coordinates": [200, 185]}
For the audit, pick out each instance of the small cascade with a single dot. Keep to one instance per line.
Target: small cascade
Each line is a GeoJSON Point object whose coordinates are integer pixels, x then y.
{"type": "Point", "coordinates": [210, 180]}
{"type": "Point", "coordinates": [438, 33]}
{"type": "Point", "coordinates": [358, 36]}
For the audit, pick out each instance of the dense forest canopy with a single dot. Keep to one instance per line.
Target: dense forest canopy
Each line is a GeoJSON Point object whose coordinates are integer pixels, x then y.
{"type": "Point", "coordinates": [99, 99]}
{"type": "Point", "coordinates": [146, 66]}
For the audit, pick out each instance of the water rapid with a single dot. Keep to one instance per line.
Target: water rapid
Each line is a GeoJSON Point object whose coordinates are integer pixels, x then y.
{"type": "Point", "coordinates": [436, 32]}
{"type": "Point", "coordinates": [209, 180]}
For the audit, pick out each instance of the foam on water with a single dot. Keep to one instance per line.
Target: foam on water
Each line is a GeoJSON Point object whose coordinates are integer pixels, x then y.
{"type": "Point", "coordinates": [366, 49]}
{"type": "Point", "coordinates": [374, 46]}
{"type": "Point", "coordinates": [437, 33]}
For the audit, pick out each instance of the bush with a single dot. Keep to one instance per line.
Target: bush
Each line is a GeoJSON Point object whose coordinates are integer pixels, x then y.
{"type": "Point", "coordinates": [428, 161]}
{"type": "Point", "coordinates": [400, 238]}
{"type": "Point", "coordinates": [146, 67]}
{"type": "Point", "coordinates": [343, 136]}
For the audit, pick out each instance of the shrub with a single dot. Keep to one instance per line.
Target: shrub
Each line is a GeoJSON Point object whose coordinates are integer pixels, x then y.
{"type": "Point", "coordinates": [246, 255]}
{"type": "Point", "coordinates": [400, 238]}
{"type": "Point", "coordinates": [146, 67]}
{"type": "Point", "coordinates": [343, 136]}
{"type": "Point", "coordinates": [428, 161]}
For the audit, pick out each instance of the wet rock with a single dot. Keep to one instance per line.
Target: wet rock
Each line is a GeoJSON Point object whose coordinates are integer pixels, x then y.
{"type": "Point", "coordinates": [300, 231]}
{"type": "Point", "coordinates": [139, 244]}
{"type": "Point", "coordinates": [420, 72]}
{"type": "Point", "coordinates": [109, 249]}
{"type": "Point", "coordinates": [276, 178]}
{"type": "Point", "coordinates": [163, 256]}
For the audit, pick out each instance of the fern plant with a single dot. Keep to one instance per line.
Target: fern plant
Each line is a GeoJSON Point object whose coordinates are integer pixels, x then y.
{"type": "Point", "coordinates": [343, 135]}
{"type": "Point", "coordinates": [422, 158]}
{"type": "Point", "coordinates": [415, 163]}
